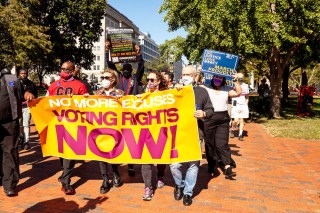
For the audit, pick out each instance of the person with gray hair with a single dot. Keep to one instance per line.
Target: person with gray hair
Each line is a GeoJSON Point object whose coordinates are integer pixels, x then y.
{"type": "Point", "coordinates": [203, 110]}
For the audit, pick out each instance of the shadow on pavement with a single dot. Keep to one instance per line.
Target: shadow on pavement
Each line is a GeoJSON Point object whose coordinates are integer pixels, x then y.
{"type": "Point", "coordinates": [70, 206]}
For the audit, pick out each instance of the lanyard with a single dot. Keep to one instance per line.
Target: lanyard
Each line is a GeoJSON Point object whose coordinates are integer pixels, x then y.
{"type": "Point", "coordinates": [128, 86]}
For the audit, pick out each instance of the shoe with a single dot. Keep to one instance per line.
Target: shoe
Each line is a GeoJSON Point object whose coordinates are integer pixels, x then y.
{"type": "Point", "coordinates": [187, 200]}
{"type": "Point", "coordinates": [116, 180]}
{"type": "Point", "coordinates": [10, 192]}
{"type": "Point", "coordinates": [229, 174]}
{"type": "Point", "coordinates": [160, 183]}
{"type": "Point", "coordinates": [105, 186]}
{"type": "Point", "coordinates": [148, 194]}
{"type": "Point", "coordinates": [231, 134]}
{"type": "Point", "coordinates": [240, 138]}
{"type": "Point", "coordinates": [26, 146]}
{"type": "Point", "coordinates": [131, 172]}
{"type": "Point", "coordinates": [67, 189]}
{"type": "Point", "coordinates": [178, 193]}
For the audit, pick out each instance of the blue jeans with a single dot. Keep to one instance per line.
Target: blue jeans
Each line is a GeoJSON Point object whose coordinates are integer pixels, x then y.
{"type": "Point", "coordinates": [191, 176]}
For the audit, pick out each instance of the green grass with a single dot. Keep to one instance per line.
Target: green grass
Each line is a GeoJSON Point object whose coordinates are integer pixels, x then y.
{"type": "Point", "coordinates": [293, 126]}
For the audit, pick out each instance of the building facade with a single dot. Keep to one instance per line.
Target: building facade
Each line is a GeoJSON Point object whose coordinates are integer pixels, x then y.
{"type": "Point", "coordinates": [113, 19]}
{"type": "Point", "coordinates": [149, 48]}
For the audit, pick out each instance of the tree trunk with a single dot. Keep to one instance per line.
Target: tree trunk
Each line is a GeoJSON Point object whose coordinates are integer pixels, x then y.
{"type": "Point", "coordinates": [285, 85]}
{"type": "Point", "coordinates": [304, 77]}
{"type": "Point", "coordinates": [276, 73]}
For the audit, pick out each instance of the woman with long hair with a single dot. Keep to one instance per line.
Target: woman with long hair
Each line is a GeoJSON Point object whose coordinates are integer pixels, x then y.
{"type": "Point", "coordinates": [155, 83]}
{"type": "Point", "coordinates": [217, 128]}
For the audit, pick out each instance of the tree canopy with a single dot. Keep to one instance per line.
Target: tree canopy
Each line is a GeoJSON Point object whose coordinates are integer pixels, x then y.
{"type": "Point", "coordinates": [272, 31]}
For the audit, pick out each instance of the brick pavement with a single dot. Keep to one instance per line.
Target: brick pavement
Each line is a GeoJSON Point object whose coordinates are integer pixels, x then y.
{"type": "Point", "coordinates": [273, 175]}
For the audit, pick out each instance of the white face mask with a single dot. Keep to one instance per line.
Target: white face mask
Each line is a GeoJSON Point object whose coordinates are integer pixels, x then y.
{"type": "Point", "coordinates": [105, 83]}
{"type": "Point", "coordinates": [187, 80]}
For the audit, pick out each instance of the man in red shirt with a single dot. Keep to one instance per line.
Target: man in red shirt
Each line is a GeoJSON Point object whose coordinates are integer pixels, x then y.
{"type": "Point", "coordinates": [67, 85]}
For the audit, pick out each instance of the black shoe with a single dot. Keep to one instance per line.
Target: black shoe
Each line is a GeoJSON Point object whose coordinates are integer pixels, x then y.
{"type": "Point", "coordinates": [131, 172]}
{"type": "Point", "coordinates": [231, 134]}
{"type": "Point", "coordinates": [229, 174]}
{"type": "Point", "coordinates": [240, 138]}
{"type": "Point", "coordinates": [26, 146]}
{"type": "Point", "coordinates": [187, 200]}
{"type": "Point", "coordinates": [178, 192]}
{"type": "Point", "coordinates": [10, 192]}
{"type": "Point", "coordinates": [67, 189]}
{"type": "Point", "coordinates": [105, 186]}
{"type": "Point", "coordinates": [116, 180]}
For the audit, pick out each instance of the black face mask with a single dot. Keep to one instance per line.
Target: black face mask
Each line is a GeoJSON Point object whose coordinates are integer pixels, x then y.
{"type": "Point", "coordinates": [126, 73]}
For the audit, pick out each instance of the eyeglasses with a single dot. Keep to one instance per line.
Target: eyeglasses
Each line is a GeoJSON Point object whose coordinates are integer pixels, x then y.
{"type": "Point", "coordinates": [151, 79]}
{"type": "Point", "coordinates": [240, 79]}
{"type": "Point", "coordinates": [107, 77]}
{"type": "Point", "coordinates": [23, 73]}
{"type": "Point", "coordinates": [65, 69]}
{"type": "Point", "coordinates": [187, 74]}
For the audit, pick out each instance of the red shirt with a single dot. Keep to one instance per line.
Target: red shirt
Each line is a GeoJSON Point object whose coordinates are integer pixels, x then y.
{"type": "Point", "coordinates": [62, 87]}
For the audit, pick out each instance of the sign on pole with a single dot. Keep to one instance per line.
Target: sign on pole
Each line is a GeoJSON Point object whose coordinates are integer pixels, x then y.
{"type": "Point", "coordinates": [122, 45]}
{"type": "Point", "coordinates": [221, 63]}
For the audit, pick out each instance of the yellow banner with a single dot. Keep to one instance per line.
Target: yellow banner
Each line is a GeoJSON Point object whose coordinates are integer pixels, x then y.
{"type": "Point", "coordinates": [156, 128]}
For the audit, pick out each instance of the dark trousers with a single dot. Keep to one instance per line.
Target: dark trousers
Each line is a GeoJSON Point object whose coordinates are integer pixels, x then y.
{"type": "Point", "coordinates": [9, 156]}
{"type": "Point", "coordinates": [68, 166]}
{"type": "Point", "coordinates": [217, 138]}
{"type": "Point", "coordinates": [104, 168]}
{"type": "Point", "coordinates": [146, 171]}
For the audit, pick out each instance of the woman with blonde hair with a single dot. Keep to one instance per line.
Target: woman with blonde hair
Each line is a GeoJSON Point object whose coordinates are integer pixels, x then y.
{"type": "Point", "coordinates": [109, 88]}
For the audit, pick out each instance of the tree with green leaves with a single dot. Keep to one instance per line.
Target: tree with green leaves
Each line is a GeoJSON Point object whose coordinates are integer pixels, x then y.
{"type": "Point", "coordinates": [272, 31]}
{"type": "Point", "coordinates": [21, 38]}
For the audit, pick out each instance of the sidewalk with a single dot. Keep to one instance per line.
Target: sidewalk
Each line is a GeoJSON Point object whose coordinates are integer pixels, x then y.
{"type": "Point", "coordinates": [273, 175]}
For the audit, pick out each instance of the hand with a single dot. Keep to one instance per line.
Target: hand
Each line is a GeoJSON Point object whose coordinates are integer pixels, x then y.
{"type": "Point", "coordinates": [138, 95]}
{"type": "Point", "coordinates": [199, 114]}
{"type": "Point", "coordinates": [28, 96]}
{"type": "Point", "coordinates": [86, 95]}
{"type": "Point", "coordinates": [178, 87]}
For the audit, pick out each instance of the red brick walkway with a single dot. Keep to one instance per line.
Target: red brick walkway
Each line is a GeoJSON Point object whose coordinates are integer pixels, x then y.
{"type": "Point", "coordinates": [273, 175]}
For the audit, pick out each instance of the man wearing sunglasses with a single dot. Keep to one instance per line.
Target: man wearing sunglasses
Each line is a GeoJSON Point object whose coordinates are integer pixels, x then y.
{"type": "Point", "coordinates": [67, 85]}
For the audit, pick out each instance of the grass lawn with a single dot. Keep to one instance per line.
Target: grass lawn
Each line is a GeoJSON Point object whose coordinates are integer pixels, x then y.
{"type": "Point", "coordinates": [293, 126]}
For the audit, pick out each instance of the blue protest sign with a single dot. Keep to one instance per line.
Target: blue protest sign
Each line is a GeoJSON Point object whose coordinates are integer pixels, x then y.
{"type": "Point", "coordinates": [220, 63]}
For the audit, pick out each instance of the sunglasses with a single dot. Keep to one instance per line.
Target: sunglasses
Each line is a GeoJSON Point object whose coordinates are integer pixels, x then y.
{"type": "Point", "coordinates": [151, 80]}
{"type": "Point", "coordinates": [107, 77]}
{"type": "Point", "coordinates": [65, 69]}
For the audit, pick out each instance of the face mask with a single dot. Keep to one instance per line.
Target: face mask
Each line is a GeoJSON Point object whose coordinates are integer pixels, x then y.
{"type": "Point", "coordinates": [187, 80]}
{"type": "Point", "coordinates": [106, 83]}
{"type": "Point", "coordinates": [126, 73]}
{"type": "Point", "coordinates": [152, 85]}
{"type": "Point", "coordinates": [217, 82]}
{"type": "Point", "coordinates": [65, 75]}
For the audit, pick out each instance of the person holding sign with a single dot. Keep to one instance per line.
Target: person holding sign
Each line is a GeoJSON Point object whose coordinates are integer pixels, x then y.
{"type": "Point", "coordinates": [67, 85]}
{"type": "Point", "coordinates": [217, 128]}
{"type": "Point", "coordinates": [155, 83]}
{"type": "Point", "coordinates": [130, 84]}
{"type": "Point", "coordinates": [203, 110]}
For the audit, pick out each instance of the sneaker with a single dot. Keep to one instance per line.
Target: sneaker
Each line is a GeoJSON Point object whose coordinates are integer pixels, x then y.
{"type": "Point", "coordinates": [240, 138]}
{"type": "Point", "coordinates": [231, 134]}
{"type": "Point", "coordinates": [160, 183]}
{"type": "Point", "coordinates": [67, 189]}
{"type": "Point", "coordinates": [148, 194]}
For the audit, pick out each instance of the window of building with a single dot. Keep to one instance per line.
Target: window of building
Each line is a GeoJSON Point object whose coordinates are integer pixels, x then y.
{"type": "Point", "coordinates": [98, 58]}
{"type": "Point", "coordinates": [98, 48]}
{"type": "Point", "coordinates": [98, 67]}
{"type": "Point", "coordinates": [94, 67]}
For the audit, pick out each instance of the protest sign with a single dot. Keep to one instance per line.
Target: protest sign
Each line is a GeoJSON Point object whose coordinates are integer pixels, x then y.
{"type": "Point", "coordinates": [157, 128]}
{"type": "Point", "coordinates": [122, 45]}
{"type": "Point", "coordinates": [221, 63]}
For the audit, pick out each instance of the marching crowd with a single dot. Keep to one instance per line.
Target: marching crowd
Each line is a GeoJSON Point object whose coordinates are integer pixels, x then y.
{"type": "Point", "coordinates": [215, 107]}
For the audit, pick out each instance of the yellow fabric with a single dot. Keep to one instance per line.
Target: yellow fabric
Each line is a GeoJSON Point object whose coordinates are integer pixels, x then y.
{"type": "Point", "coordinates": [124, 130]}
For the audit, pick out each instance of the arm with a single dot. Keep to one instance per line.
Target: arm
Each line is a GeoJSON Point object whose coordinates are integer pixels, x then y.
{"type": "Point", "coordinates": [236, 91]}
{"type": "Point", "coordinates": [140, 70]}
